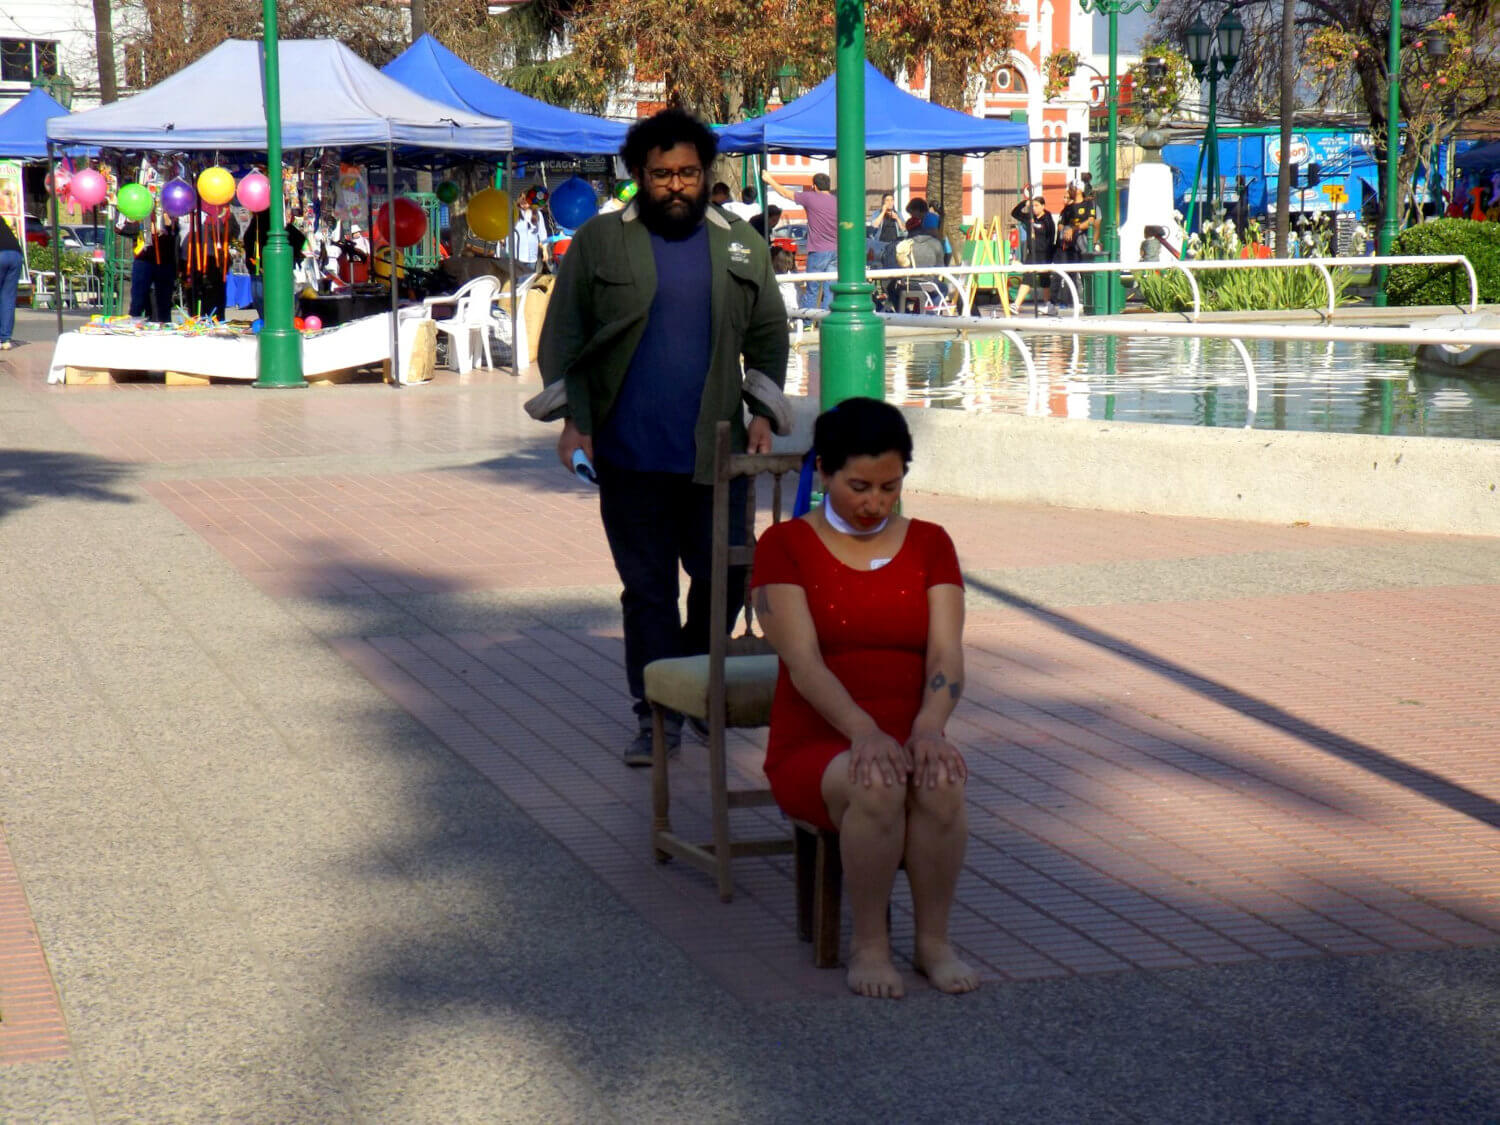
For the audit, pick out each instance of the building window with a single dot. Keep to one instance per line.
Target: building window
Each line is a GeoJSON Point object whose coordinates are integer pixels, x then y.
{"type": "Point", "coordinates": [24, 60]}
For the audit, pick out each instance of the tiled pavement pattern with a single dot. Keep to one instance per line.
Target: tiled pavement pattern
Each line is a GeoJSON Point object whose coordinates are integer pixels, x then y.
{"type": "Point", "coordinates": [1181, 781]}
{"type": "Point", "coordinates": [1192, 743]}
{"type": "Point", "coordinates": [31, 1022]}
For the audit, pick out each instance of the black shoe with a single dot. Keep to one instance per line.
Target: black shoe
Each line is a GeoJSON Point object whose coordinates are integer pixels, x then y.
{"type": "Point", "coordinates": [638, 753]}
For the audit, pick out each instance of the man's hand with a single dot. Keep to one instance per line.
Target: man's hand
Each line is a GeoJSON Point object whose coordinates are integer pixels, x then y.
{"type": "Point", "coordinates": [570, 440]}
{"type": "Point", "coordinates": [760, 435]}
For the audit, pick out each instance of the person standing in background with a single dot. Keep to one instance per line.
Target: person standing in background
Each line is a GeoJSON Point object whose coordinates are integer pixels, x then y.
{"type": "Point", "coordinates": [530, 240]}
{"type": "Point", "coordinates": [822, 208]}
{"type": "Point", "coordinates": [12, 264]}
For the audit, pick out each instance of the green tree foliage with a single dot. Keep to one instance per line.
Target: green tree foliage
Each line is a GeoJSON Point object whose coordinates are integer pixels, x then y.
{"type": "Point", "coordinates": [1446, 285]}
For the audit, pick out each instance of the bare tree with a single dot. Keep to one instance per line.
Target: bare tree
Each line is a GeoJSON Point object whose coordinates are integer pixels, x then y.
{"type": "Point", "coordinates": [104, 49]}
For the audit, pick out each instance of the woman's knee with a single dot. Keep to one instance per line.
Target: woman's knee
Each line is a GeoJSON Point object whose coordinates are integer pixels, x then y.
{"type": "Point", "coordinates": [883, 804]}
{"type": "Point", "coordinates": [943, 803]}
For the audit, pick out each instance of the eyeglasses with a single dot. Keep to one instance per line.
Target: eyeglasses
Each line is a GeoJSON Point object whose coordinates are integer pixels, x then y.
{"type": "Point", "coordinates": [665, 176]}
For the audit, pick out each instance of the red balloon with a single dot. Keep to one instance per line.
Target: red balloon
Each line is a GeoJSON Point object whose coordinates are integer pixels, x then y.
{"type": "Point", "coordinates": [410, 224]}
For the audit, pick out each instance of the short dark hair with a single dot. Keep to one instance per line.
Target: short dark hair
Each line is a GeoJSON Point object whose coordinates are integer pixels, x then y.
{"type": "Point", "coordinates": [782, 259]}
{"type": "Point", "coordinates": [917, 206]}
{"type": "Point", "coordinates": [747, 194]}
{"type": "Point", "coordinates": [821, 181]}
{"type": "Point", "coordinates": [721, 186]}
{"type": "Point", "coordinates": [860, 427]}
{"type": "Point", "coordinates": [665, 130]}
{"type": "Point", "coordinates": [774, 212]}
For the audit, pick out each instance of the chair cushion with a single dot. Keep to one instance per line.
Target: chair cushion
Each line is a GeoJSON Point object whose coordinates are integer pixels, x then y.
{"type": "Point", "coordinates": [681, 683]}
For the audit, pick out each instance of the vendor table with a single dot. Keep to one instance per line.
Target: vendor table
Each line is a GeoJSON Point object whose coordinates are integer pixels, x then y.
{"type": "Point", "coordinates": [340, 308]}
{"type": "Point", "coordinates": [356, 344]}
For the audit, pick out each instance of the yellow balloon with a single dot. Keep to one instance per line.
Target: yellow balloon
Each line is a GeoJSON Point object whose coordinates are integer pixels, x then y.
{"type": "Point", "coordinates": [215, 185]}
{"type": "Point", "coordinates": [382, 263]}
{"type": "Point", "coordinates": [489, 214]}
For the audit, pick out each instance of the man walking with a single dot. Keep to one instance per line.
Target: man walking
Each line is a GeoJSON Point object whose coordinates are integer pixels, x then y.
{"type": "Point", "coordinates": [822, 208]}
{"type": "Point", "coordinates": [664, 320]}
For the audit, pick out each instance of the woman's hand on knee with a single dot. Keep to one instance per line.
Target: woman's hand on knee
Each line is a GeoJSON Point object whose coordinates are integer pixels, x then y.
{"type": "Point", "coordinates": [874, 756]}
{"type": "Point", "coordinates": [935, 761]}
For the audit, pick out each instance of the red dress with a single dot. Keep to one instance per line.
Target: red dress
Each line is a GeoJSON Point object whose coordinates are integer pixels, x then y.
{"type": "Point", "coordinates": [872, 632]}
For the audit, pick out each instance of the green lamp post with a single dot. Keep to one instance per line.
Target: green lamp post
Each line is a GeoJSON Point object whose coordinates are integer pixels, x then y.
{"type": "Point", "coordinates": [852, 337]}
{"type": "Point", "coordinates": [280, 354]}
{"type": "Point", "coordinates": [1213, 53]}
{"type": "Point", "coordinates": [1389, 205]}
{"type": "Point", "coordinates": [1114, 295]}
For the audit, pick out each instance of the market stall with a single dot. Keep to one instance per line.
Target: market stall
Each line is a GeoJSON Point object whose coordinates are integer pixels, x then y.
{"type": "Point", "coordinates": [330, 100]}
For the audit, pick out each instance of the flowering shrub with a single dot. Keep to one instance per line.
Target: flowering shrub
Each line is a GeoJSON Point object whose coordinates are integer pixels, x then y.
{"type": "Point", "coordinates": [1285, 287]}
{"type": "Point", "coordinates": [1058, 67]}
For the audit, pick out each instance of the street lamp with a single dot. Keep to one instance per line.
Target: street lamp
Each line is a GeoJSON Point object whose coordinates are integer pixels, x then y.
{"type": "Point", "coordinates": [1114, 296]}
{"type": "Point", "coordinates": [1213, 53]}
{"type": "Point", "coordinates": [1389, 228]}
{"type": "Point", "coordinates": [279, 344]}
{"type": "Point", "coordinates": [59, 87]}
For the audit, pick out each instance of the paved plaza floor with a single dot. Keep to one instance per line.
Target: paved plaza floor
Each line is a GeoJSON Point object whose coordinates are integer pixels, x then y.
{"type": "Point", "coordinates": [311, 806]}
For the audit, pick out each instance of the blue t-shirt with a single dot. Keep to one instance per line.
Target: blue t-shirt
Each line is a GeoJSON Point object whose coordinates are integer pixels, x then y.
{"type": "Point", "coordinates": [651, 427]}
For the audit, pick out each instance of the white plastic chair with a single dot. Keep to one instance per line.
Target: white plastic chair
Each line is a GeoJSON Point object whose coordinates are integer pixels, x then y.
{"type": "Point", "coordinates": [42, 293]}
{"type": "Point", "coordinates": [469, 328]}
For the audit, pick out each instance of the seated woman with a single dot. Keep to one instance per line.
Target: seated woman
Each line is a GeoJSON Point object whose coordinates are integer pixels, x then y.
{"type": "Point", "coordinates": [865, 609]}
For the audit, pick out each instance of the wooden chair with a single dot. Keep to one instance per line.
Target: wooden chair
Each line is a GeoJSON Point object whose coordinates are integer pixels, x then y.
{"type": "Point", "coordinates": [730, 687]}
{"type": "Point", "coordinates": [820, 890]}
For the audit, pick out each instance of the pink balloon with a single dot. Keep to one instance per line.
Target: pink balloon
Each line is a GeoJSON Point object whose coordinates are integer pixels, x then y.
{"type": "Point", "coordinates": [89, 187]}
{"type": "Point", "coordinates": [312, 323]}
{"type": "Point", "coordinates": [254, 192]}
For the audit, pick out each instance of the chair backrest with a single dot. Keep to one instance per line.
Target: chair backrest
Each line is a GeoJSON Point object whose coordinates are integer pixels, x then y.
{"type": "Point", "coordinates": [476, 307]}
{"type": "Point", "coordinates": [728, 467]}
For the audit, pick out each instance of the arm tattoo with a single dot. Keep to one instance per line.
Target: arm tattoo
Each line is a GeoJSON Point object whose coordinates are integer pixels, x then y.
{"type": "Point", "coordinates": [940, 681]}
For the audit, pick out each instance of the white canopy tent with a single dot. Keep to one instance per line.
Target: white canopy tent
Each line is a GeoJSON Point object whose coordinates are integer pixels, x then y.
{"type": "Point", "coordinates": [330, 98]}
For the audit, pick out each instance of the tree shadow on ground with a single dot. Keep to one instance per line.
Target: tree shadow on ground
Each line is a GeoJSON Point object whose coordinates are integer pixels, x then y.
{"type": "Point", "coordinates": [28, 476]}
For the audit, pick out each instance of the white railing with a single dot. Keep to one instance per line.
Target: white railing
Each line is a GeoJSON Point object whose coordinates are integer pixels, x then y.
{"type": "Point", "coordinates": [1187, 267]}
{"type": "Point", "coordinates": [1017, 328]}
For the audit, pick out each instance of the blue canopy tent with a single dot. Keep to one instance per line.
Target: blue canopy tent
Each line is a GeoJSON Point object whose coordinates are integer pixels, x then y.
{"type": "Point", "coordinates": [1478, 159]}
{"type": "Point", "coordinates": [430, 69]}
{"type": "Point", "coordinates": [23, 127]}
{"type": "Point", "coordinates": [895, 122]}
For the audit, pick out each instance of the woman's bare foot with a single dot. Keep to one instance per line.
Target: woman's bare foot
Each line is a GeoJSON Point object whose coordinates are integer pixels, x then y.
{"type": "Point", "coordinates": [872, 974]}
{"type": "Point", "coordinates": [940, 965]}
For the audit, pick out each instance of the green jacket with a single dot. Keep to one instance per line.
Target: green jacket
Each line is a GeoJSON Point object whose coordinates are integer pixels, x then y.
{"type": "Point", "coordinates": [599, 305]}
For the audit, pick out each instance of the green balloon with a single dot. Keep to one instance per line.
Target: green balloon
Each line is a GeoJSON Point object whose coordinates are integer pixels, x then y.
{"type": "Point", "coordinates": [134, 202]}
{"type": "Point", "coordinates": [447, 191]}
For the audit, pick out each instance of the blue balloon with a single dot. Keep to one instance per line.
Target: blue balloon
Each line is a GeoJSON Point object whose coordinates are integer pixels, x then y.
{"type": "Point", "coordinates": [256, 325]}
{"type": "Point", "coordinates": [574, 203]}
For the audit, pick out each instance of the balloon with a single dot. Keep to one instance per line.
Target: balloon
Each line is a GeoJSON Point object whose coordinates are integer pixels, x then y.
{"type": "Point", "coordinates": [254, 192]}
{"type": "Point", "coordinates": [298, 323]}
{"type": "Point", "coordinates": [256, 325]}
{"type": "Point", "coordinates": [625, 190]}
{"type": "Point", "coordinates": [177, 198]}
{"type": "Point", "coordinates": [59, 181]}
{"type": "Point", "coordinates": [134, 202]}
{"type": "Point", "coordinates": [447, 192]}
{"type": "Point", "coordinates": [215, 185]}
{"type": "Point", "coordinates": [489, 214]}
{"type": "Point", "coordinates": [89, 187]}
{"type": "Point", "coordinates": [312, 323]}
{"type": "Point", "coordinates": [538, 196]}
{"type": "Point", "coordinates": [381, 266]}
{"type": "Point", "coordinates": [574, 203]}
{"type": "Point", "coordinates": [410, 224]}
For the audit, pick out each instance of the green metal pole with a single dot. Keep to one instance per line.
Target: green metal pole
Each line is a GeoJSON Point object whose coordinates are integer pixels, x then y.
{"type": "Point", "coordinates": [1210, 214]}
{"type": "Point", "coordinates": [1389, 221]}
{"type": "Point", "coordinates": [57, 252]}
{"type": "Point", "coordinates": [280, 357]}
{"type": "Point", "coordinates": [852, 337]}
{"type": "Point", "coordinates": [1113, 298]}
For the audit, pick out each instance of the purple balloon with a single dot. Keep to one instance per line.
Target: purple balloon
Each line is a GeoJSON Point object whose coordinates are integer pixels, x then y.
{"type": "Point", "coordinates": [178, 198]}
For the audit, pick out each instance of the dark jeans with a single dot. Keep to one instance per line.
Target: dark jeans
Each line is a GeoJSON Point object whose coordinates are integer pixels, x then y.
{"type": "Point", "coordinates": [151, 286]}
{"type": "Point", "coordinates": [653, 521]}
{"type": "Point", "coordinates": [204, 294]}
{"type": "Point", "coordinates": [10, 277]}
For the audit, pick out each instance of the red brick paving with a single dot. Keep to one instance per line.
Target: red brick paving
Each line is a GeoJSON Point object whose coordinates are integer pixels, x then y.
{"type": "Point", "coordinates": [1154, 785]}
{"type": "Point", "coordinates": [31, 1021]}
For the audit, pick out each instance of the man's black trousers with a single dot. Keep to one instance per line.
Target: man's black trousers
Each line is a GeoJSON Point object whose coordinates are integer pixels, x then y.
{"type": "Point", "coordinates": [654, 521]}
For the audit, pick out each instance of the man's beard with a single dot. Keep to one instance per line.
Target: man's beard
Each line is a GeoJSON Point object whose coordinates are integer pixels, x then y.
{"type": "Point", "coordinates": [675, 216]}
